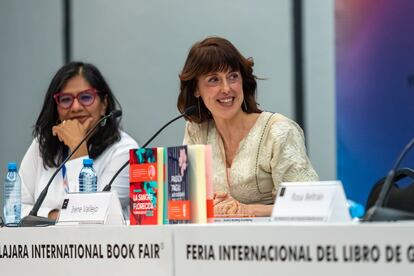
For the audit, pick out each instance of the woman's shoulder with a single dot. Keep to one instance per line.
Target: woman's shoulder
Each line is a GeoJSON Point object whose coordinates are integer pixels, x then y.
{"type": "Point", "coordinates": [127, 139]}
{"type": "Point", "coordinates": [34, 147]}
{"type": "Point", "coordinates": [194, 127]}
{"type": "Point", "coordinates": [282, 126]}
{"type": "Point", "coordinates": [196, 133]}
{"type": "Point", "coordinates": [197, 129]}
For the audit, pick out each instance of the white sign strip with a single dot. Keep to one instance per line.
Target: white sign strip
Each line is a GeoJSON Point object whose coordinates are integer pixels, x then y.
{"type": "Point", "coordinates": [109, 250]}
{"type": "Point", "coordinates": [294, 250]}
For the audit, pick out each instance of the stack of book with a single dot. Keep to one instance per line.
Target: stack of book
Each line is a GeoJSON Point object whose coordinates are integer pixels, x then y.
{"type": "Point", "coordinates": [171, 185]}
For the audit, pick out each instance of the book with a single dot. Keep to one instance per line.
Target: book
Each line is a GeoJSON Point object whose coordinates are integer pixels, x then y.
{"type": "Point", "coordinates": [209, 184]}
{"type": "Point", "coordinates": [201, 191]}
{"type": "Point", "coordinates": [160, 184]}
{"type": "Point", "coordinates": [178, 189]}
{"type": "Point", "coordinates": [146, 176]}
{"type": "Point", "coordinates": [165, 189]}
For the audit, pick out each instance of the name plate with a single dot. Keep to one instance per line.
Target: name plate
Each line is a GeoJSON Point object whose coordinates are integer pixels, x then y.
{"type": "Point", "coordinates": [311, 201]}
{"type": "Point", "coordinates": [91, 208]}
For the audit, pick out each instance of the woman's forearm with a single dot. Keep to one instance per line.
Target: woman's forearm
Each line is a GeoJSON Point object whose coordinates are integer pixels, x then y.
{"type": "Point", "coordinates": [260, 210]}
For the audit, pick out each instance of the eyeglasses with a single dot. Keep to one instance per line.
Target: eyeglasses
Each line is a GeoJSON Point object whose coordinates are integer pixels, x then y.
{"type": "Point", "coordinates": [85, 98]}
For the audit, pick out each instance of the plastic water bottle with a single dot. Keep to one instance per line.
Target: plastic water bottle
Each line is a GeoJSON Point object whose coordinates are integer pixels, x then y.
{"type": "Point", "coordinates": [356, 210]}
{"type": "Point", "coordinates": [87, 177]}
{"type": "Point", "coordinates": [12, 195]}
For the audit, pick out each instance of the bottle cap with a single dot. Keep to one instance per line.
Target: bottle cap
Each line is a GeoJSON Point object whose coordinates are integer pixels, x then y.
{"type": "Point", "coordinates": [355, 209]}
{"type": "Point", "coordinates": [87, 161]}
{"type": "Point", "coordinates": [12, 166]}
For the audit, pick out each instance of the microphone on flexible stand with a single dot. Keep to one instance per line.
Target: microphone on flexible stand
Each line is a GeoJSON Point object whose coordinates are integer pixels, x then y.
{"type": "Point", "coordinates": [380, 213]}
{"type": "Point", "coordinates": [33, 219]}
{"type": "Point", "coordinates": [187, 112]}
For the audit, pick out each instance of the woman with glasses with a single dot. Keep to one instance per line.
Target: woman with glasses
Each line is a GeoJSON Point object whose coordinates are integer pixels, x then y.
{"type": "Point", "coordinates": [77, 97]}
{"type": "Point", "coordinates": [253, 151]}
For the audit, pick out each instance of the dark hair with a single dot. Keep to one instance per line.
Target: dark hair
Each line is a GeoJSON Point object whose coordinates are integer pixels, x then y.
{"type": "Point", "coordinates": [51, 149]}
{"type": "Point", "coordinates": [214, 54]}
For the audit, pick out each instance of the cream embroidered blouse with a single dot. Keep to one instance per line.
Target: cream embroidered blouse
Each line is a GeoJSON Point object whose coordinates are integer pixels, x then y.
{"type": "Point", "coordinates": [272, 152]}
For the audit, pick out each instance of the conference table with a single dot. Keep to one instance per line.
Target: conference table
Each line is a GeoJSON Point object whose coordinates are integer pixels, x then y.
{"type": "Point", "coordinates": [271, 248]}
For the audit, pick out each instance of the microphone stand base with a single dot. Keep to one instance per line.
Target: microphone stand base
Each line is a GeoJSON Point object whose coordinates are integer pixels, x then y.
{"type": "Point", "coordinates": [35, 221]}
{"type": "Point", "coordinates": [387, 214]}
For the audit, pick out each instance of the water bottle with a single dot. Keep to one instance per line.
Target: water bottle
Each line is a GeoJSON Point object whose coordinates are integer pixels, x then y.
{"type": "Point", "coordinates": [12, 195]}
{"type": "Point", "coordinates": [87, 177]}
{"type": "Point", "coordinates": [356, 210]}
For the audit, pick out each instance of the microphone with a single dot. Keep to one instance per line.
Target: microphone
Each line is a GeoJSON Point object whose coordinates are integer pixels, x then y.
{"type": "Point", "coordinates": [380, 213]}
{"type": "Point", "coordinates": [115, 114]}
{"type": "Point", "coordinates": [32, 219]}
{"type": "Point", "coordinates": [187, 112]}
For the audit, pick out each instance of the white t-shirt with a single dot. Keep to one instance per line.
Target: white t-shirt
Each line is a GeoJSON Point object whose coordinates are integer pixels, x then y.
{"type": "Point", "coordinates": [35, 177]}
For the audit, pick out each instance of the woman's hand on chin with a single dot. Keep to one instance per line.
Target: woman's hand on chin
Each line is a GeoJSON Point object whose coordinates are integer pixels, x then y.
{"type": "Point", "coordinates": [71, 132]}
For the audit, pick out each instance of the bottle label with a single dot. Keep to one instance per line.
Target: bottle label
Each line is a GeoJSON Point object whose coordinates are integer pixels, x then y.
{"type": "Point", "coordinates": [12, 198]}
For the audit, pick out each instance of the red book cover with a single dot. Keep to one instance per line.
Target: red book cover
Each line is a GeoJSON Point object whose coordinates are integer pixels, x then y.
{"type": "Point", "coordinates": [143, 189]}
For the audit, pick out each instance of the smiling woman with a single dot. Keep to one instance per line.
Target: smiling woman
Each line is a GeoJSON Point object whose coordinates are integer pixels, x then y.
{"type": "Point", "coordinates": [77, 97]}
{"type": "Point", "coordinates": [253, 151]}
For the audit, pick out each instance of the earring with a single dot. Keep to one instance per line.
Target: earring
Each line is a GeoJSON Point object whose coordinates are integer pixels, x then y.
{"type": "Point", "coordinates": [245, 105]}
{"type": "Point", "coordinates": [199, 109]}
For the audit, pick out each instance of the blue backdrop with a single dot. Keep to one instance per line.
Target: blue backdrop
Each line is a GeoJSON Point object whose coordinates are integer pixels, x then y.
{"type": "Point", "coordinates": [374, 86]}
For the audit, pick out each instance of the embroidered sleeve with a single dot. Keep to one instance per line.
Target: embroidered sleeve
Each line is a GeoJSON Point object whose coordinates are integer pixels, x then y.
{"type": "Point", "coordinates": [289, 162]}
{"type": "Point", "coordinates": [195, 133]}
